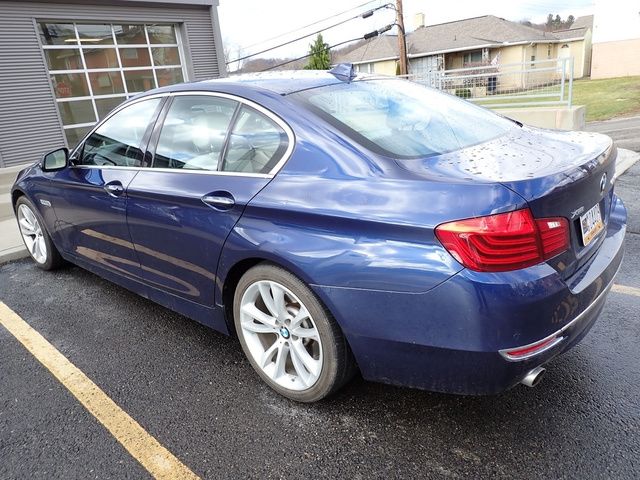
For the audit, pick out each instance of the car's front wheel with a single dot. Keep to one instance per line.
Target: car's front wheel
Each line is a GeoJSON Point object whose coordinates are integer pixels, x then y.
{"type": "Point", "coordinates": [35, 236]}
{"type": "Point", "coordinates": [291, 340]}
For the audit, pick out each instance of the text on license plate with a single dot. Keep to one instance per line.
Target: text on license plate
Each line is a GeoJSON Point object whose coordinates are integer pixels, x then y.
{"type": "Point", "coordinates": [591, 224]}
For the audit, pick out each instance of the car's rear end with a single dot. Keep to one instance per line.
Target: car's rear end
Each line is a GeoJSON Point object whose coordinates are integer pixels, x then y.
{"type": "Point", "coordinates": [533, 277]}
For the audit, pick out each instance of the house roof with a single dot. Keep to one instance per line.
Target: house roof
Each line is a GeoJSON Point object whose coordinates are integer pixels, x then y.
{"type": "Point", "coordinates": [378, 48]}
{"type": "Point", "coordinates": [578, 28]}
{"type": "Point", "coordinates": [460, 35]}
{"type": "Point", "coordinates": [586, 21]}
{"type": "Point", "coordinates": [472, 32]}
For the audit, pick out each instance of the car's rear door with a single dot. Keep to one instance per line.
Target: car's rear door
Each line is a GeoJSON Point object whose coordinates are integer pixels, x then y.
{"type": "Point", "coordinates": [211, 154]}
{"type": "Point", "coordinates": [90, 196]}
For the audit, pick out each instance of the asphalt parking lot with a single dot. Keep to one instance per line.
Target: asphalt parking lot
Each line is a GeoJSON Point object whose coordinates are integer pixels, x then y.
{"type": "Point", "coordinates": [191, 389]}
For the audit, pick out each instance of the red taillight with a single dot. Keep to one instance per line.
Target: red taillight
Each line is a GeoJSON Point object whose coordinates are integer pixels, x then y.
{"type": "Point", "coordinates": [554, 235]}
{"type": "Point", "coordinates": [503, 242]}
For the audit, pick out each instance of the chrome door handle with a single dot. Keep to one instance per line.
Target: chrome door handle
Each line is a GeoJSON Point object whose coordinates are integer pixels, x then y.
{"type": "Point", "coordinates": [114, 188]}
{"type": "Point", "coordinates": [220, 202]}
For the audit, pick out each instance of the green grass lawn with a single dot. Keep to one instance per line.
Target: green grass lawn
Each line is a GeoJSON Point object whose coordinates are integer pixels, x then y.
{"type": "Point", "coordinates": [608, 98]}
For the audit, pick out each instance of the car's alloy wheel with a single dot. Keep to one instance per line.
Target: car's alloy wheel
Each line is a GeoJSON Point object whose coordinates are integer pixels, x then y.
{"type": "Point", "coordinates": [32, 234]}
{"type": "Point", "coordinates": [281, 335]}
{"type": "Point", "coordinates": [289, 337]}
{"type": "Point", "coordinates": [35, 236]}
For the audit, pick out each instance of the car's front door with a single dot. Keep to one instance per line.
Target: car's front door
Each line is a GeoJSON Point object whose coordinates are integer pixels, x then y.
{"type": "Point", "coordinates": [90, 196]}
{"type": "Point", "coordinates": [212, 155]}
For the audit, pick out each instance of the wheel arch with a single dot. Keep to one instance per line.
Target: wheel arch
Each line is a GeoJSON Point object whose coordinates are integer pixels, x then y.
{"type": "Point", "coordinates": [15, 195]}
{"type": "Point", "coordinates": [235, 272]}
{"type": "Point", "coordinates": [232, 274]}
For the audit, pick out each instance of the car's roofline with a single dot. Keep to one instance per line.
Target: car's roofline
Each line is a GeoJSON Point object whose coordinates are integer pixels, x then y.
{"type": "Point", "coordinates": [281, 83]}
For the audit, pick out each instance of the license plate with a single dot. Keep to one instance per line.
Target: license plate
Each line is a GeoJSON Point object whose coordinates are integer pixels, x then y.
{"type": "Point", "coordinates": [591, 224]}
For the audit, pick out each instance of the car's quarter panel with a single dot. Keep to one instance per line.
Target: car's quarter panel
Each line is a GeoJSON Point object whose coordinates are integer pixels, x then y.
{"type": "Point", "coordinates": [177, 235]}
{"type": "Point", "coordinates": [448, 339]}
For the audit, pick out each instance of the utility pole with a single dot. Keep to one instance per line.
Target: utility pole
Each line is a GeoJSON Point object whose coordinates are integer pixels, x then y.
{"type": "Point", "coordinates": [402, 43]}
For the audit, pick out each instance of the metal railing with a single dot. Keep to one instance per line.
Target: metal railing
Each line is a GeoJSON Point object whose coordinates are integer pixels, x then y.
{"type": "Point", "coordinates": [540, 82]}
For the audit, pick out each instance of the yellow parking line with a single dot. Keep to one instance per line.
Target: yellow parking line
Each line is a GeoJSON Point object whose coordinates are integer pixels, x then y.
{"type": "Point", "coordinates": [158, 461]}
{"type": "Point", "coordinates": [628, 290]}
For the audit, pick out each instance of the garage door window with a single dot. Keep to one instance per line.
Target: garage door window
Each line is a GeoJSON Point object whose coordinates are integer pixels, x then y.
{"type": "Point", "coordinates": [95, 67]}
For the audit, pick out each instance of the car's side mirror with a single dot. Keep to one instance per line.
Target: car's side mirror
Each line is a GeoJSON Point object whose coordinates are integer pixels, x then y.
{"type": "Point", "coordinates": [55, 160]}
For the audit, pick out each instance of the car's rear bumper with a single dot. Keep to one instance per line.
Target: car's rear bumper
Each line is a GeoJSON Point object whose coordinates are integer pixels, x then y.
{"type": "Point", "coordinates": [450, 338]}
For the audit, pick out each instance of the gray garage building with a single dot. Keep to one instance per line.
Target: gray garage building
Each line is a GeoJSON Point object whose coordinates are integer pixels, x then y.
{"type": "Point", "coordinates": [65, 65]}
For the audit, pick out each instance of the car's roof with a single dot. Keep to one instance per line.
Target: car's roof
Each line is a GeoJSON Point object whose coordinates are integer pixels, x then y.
{"type": "Point", "coordinates": [281, 82]}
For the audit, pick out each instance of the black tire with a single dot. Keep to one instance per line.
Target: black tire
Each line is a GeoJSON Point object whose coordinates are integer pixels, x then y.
{"type": "Point", "coordinates": [53, 258]}
{"type": "Point", "coordinates": [338, 365]}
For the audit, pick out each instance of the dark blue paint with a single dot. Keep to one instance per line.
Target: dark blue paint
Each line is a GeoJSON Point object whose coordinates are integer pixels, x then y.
{"type": "Point", "coordinates": [359, 229]}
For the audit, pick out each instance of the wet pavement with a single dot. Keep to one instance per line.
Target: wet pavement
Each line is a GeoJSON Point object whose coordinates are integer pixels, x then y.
{"type": "Point", "coordinates": [192, 389]}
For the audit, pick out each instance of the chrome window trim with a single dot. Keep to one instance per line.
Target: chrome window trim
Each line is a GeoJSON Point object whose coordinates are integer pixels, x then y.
{"type": "Point", "coordinates": [279, 121]}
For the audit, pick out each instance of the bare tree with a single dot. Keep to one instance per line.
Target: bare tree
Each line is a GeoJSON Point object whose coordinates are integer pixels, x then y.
{"type": "Point", "coordinates": [232, 51]}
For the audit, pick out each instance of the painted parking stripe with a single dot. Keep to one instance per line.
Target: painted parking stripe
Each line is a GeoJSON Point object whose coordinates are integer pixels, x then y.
{"type": "Point", "coordinates": [628, 290]}
{"type": "Point", "coordinates": [156, 459]}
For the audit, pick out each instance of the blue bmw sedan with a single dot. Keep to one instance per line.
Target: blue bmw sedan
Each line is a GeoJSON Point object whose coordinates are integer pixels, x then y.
{"type": "Point", "coordinates": [337, 223]}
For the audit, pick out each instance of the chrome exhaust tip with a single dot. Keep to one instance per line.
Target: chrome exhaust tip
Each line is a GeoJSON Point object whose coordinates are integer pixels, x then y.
{"type": "Point", "coordinates": [533, 377]}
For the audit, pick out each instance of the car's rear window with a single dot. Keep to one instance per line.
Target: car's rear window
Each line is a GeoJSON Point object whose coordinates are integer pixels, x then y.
{"type": "Point", "coordinates": [403, 119]}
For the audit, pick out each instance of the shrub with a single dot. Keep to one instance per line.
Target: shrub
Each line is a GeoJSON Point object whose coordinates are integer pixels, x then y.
{"type": "Point", "coordinates": [463, 92]}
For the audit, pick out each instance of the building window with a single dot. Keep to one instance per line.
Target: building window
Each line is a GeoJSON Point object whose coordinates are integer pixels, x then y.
{"type": "Point", "coordinates": [365, 68]}
{"type": "Point", "coordinates": [95, 67]}
{"type": "Point", "coordinates": [472, 57]}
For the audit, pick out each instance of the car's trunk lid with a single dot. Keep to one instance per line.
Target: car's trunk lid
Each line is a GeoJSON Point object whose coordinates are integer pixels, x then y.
{"type": "Point", "coordinates": [559, 174]}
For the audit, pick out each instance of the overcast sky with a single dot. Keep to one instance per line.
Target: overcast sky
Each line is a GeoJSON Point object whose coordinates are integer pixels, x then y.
{"type": "Point", "coordinates": [249, 24]}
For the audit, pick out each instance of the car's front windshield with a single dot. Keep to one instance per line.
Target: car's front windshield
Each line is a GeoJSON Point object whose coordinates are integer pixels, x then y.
{"type": "Point", "coordinates": [402, 119]}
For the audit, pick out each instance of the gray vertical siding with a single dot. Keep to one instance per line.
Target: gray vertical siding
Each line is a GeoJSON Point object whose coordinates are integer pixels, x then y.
{"type": "Point", "coordinates": [29, 120]}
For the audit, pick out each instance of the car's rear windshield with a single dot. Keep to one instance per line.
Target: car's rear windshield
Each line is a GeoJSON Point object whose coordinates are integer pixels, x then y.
{"type": "Point", "coordinates": [403, 119]}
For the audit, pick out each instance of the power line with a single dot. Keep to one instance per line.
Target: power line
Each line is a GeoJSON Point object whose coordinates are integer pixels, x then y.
{"type": "Point", "coordinates": [310, 25]}
{"type": "Point", "coordinates": [367, 36]}
{"type": "Point", "coordinates": [366, 14]}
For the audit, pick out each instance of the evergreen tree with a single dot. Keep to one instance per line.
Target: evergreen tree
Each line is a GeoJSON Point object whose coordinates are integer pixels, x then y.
{"type": "Point", "coordinates": [549, 21]}
{"type": "Point", "coordinates": [319, 55]}
{"type": "Point", "coordinates": [557, 23]}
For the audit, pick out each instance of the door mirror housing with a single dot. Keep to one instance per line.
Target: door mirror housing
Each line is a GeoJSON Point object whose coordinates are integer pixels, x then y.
{"type": "Point", "coordinates": [55, 160]}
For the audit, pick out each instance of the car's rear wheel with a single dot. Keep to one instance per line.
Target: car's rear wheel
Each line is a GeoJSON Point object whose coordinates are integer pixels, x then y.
{"type": "Point", "coordinates": [291, 340]}
{"type": "Point", "coordinates": [35, 236]}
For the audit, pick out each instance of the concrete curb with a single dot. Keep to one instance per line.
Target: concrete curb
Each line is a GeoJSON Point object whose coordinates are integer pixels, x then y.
{"type": "Point", "coordinates": [11, 254]}
{"type": "Point", "coordinates": [626, 160]}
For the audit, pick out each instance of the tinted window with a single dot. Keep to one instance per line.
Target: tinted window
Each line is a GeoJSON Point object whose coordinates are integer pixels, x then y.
{"type": "Point", "coordinates": [194, 132]}
{"type": "Point", "coordinates": [256, 143]}
{"type": "Point", "coordinates": [117, 141]}
{"type": "Point", "coordinates": [403, 119]}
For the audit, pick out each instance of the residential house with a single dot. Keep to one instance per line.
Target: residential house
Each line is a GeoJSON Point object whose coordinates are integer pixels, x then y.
{"type": "Point", "coordinates": [486, 40]}
{"type": "Point", "coordinates": [576, 42]}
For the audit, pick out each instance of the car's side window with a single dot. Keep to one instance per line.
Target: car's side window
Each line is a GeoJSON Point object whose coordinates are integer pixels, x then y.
{"type": "Point", "coordinates": [194, 132]}
{"type": "Point", "coordinates": [256, 143]}
{"type": "Point", "coordinates": [117, 142]}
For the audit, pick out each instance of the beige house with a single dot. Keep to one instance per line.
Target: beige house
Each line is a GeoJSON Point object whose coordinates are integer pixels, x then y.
{"type": "Point", "coordinates": [576, 42]}
{"type": "Point", "coordinates": [478, 41]}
